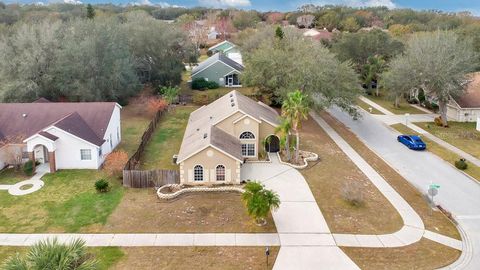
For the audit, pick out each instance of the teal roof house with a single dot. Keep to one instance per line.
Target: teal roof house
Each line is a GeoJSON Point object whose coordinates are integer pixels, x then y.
{"type": "Point", "coordinates": [226, 47]}
{"type": "Point", "coordinates": [221, 69]}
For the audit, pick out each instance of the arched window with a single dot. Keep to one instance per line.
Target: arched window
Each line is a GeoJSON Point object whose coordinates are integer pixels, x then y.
{"type": "Point", "coordinates": [220, 173]}
{"type": "Point", "coordinates": [198, 173]}
{"type": "Point", "coordinates": [247, 135]}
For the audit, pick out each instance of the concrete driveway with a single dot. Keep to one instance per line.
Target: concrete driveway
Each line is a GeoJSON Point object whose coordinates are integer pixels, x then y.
{"type": "Point", "coordinates": [306, 241]}
{"type": "Point", "coordinates": [458, 193]}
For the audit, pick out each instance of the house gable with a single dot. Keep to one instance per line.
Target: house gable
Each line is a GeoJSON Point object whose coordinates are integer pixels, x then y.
{"type": "Point", "coordinates": [214, 72]}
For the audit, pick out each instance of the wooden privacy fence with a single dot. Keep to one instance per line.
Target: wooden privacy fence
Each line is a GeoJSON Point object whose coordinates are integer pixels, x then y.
{"type": "Point", "coordinates": [135, 178]}
{"type": "Point", "coordinates": [148, 179]}
{"type": "Point", "coordinates": [134, 161]}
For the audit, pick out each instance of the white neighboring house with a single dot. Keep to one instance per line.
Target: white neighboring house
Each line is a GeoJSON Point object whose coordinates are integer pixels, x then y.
{"type": "Point", "coordinates": [467, 107]}
{"type": "Point", "coordinates": [478, 123]}
{"type": "Point", "coordinates": [212, 33]}
{"type": "Point", "coordinates": [65, 135]}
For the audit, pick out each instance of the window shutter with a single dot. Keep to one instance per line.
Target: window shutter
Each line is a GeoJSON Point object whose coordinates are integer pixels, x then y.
{"type": "Point", "coordinates": [206, 177]}
{"type": "Point", "coordinates": [213, 175]}
{"type": "Point", "coordinates": [228, 175]}
{"type": "Point", "coordinates": [190, 176]}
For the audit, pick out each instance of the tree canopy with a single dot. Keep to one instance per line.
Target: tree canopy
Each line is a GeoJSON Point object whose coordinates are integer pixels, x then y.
{"type": "Point", "coordinates": [278, 67]}
{"type": "Point", "coordinates": [437, 62]}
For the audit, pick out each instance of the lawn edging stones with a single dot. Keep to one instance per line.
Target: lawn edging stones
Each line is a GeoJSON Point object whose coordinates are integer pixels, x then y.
{"type": "Point", "coordinates": [181, 189]}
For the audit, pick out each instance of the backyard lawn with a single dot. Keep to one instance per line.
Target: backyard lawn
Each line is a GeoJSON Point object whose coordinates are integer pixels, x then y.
{"type": "Point", "coordinates": [334, 173]}
{"type": "Point", "coordinates": [206, 212]}
{"type": "Point", "coordinates": [462, 135]}
{"type": "Point", "coordinates": [166, 139]}
{"type": "Point", "coordinates": [134, 123]}
{"type": "Point", "coordinates": [68, 202]}
{"type": "Point", "coordinates": [383, 101]}
{"type": "Point", "coordinates": [442, 152]}
{"type": "Point", "coordinates": [10, 176]}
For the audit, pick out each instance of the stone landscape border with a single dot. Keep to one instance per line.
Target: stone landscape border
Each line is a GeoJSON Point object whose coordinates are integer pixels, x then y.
{"type": "Point", "coordinates": [313, 157]}
{"type": "Point", "coordinates": [183, 190]}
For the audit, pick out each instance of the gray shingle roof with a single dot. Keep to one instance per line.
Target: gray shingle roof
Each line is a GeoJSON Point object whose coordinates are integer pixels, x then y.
{"type": "Point", "coordinates": [201, 131]}
{"type": "Point", "coordinates": [214, 58]}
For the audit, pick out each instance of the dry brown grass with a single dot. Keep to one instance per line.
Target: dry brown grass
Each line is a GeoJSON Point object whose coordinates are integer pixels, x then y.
{"type": "Point", "coordinates": [224, 258]}
{"type": "Point", "coordinates": [424, 254]}
{"type": "Point", "coordinates": [436, 222]}
{"type": "Point", "coordinates": [142, 212]}
{"type": "Point", "coordinates": [328, 178]}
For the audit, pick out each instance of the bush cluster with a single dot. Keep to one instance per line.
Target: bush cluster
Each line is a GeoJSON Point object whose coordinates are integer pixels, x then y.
{"type": "Point", "coordinates": [28, 168]}
{"type": "Point", "coordinates": [102, 186]}
{"type": "Point", "coordinates": [461, 164]}
{"type": "Point", "coordinates": [202, 84]}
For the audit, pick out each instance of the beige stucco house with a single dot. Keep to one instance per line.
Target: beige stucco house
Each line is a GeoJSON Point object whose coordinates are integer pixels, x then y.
{"type": "Point", "coordinates": [466, 108]}
{"type": "Point", "coordinates": [223, 135]}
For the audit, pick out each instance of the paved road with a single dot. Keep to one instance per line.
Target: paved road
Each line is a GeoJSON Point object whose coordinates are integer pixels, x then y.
{"type": "Point", "coordinates": [458, 193]}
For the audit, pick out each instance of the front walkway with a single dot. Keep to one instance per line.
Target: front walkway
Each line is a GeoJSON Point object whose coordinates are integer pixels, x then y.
{"type": "Point", "coordinates": [34, 182]}
{"type": "Point", "coordinates": [390, 118]}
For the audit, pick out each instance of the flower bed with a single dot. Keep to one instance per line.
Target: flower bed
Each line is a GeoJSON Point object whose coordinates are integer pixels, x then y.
{"type": "Point", "coordinates": [172, 191]}
{"type": "Point", "coordinates": [305, 156]}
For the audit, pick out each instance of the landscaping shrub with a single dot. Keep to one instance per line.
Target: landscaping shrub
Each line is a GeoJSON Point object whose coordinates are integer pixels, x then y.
{"type": "Point", "coordinates": [102, 185]}
{"type": "Point", "coordinates": [352, 193]}
{"type": "Point", "coordinates": [209, 53]}
{"type": "Point", "coordinates": [28, 168]}
{"type": "Point", "coordinates": [438, 121]}
{"type": "Point", "coordinates": [461, 164]}
{"type": "Point", "coordinates": [115, 162]}
{"type": "Point", "coordinates": [155, 105]}
{"type": "Point", "coordinates": [202, 84]}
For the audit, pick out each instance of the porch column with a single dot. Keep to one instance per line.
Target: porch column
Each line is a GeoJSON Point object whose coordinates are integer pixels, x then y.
{"type": "Point", "coordinates": [51, 160]}
{"type": "Point", "coordinates": [31, 156]}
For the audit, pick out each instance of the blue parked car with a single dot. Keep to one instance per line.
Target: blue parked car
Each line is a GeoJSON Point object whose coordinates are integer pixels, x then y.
{"type": "Point", "coordinates": [412, 141]}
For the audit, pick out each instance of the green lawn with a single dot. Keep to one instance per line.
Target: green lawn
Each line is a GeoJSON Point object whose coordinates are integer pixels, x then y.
{"type": "Point", "coordinates": [134, 125]}
{"type": "Point", "coordinates": [10, 176]}
{"type": "Point", "coordinates": [367, 107]}
{"type": "Point", "coordinates": [166, 139]}
{"type": "Point", "coordinates": [106, 256]}
{"type": "Point", "coordinates": [462, 135]}
{"type": "Point", "coordinates": [383, 101]}
{"type": "Point", "coordinates": [441, 151]}
{"type": "Point", "coordinates": [68, 202]}
{"type": "Point", "coordinates": [208, 96]}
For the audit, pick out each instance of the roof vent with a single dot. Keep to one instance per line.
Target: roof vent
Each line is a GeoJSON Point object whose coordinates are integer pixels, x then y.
{"type": "Point", "coordinates": [211, 117]}
{"type": "Point", "coordinates": [231, 100]}
{"type": "Point", "coordinates": [233, 104]}
{"type": "Point", "coordinates": [198, 129]}
{"type": "Point", "coordinates": [24, 115]}
{"type": "Point", "coordinates": [231, 94]}
{"type": "Point", "coordinates": [205, 135]}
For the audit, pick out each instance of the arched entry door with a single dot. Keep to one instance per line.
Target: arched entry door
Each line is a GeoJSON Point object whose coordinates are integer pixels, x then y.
{"type": "Point", "coordinates": [272, 144]}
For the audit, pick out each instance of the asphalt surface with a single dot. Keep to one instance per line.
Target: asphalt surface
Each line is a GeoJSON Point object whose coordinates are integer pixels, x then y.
{"type": "Point", "coordinates": [458, 193]}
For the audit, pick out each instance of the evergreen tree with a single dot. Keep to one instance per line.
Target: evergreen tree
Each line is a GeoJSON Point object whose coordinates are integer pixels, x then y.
{"type": "Point", "coordinates": [90, 12]}
{"type": "Point", "coordinates": [279, 33]}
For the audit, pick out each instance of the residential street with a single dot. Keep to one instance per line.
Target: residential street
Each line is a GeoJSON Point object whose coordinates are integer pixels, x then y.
{"type": "Point", "coordinates": [458, 193]}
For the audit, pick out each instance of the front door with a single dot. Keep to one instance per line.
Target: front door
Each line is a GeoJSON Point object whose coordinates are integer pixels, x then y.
{"type": "Point", "coordinates": [272, 144]}
{"type": "Point", "coordinates": [230, 80]}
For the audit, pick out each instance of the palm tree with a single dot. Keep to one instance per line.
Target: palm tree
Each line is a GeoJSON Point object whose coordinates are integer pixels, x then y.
{"type": "Point", "coordinates": [50, 254]}
{"type": "Point", "coordinates": [284, 130]}
{"type": "Point", "coordinates": [259, 201]}
{"type": "Point", "coordinates": [371, 72]}
{"type": "Point", "coordinates": [296, 108]}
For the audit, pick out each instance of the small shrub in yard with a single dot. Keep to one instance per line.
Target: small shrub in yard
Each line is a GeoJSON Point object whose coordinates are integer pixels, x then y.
{"type": "Point", "coordinates": [115, 162]}
{"type": "Point", "coordinates": [102, 185]}
{"type": "Point", "coordinates": [155, 105]}
{"type": "Point", "coordinates": [28, 168]}
{"type": "Point", "coordinates": [202, 84]}
{"type": "Point", "coordinates": [352, 193]}
{"type": "Point", "coordinates": [461, 164]}
{"type": "Point", "coordinates": [438, 121]}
